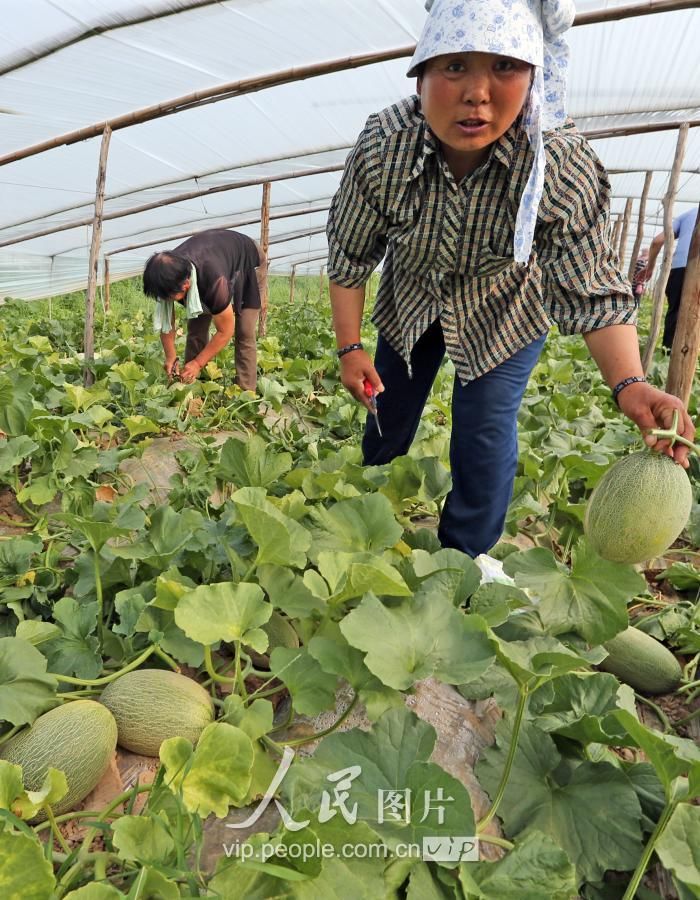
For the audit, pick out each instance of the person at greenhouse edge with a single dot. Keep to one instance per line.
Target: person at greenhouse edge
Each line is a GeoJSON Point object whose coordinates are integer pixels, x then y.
{"type": "Point", "coordinates": [216, 276]}
{"type": "Point", "coordinates": [683, 227]}
{"type": "Point", "coordinates": [491, 212]}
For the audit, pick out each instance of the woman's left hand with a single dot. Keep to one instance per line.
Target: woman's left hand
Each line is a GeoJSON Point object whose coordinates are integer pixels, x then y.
{"type": "Point", "coordinates": [190, 371]}
{"type": "Point", "coordinates": [650, 408]}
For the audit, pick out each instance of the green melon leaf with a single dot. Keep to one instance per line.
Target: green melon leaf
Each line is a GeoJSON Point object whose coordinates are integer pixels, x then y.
{"type": "Point", "coordinates": [169, 533]}
{"type": "Point", "coordinates": [671, 756]}
{"type": "Point", "coordinates": [591, 599]}
{"type": "Point", "coordinates": [25, 873]}
{"type": "Point", "coordinates": [291, 593]}
{"type": "Point", "coordinates": [150, 884]}
{"type": "Point", "coordinates": [96, 891]}
{"type": "Point", "coordinates": [26, 691]}
{"type": "Point", "coordinates": [36, 632]}
{"type": "Point", "coordinates": [15, 403]}
{"type": "Point", "coordinates": [679, 846]}
{"type": "Point", "coordinates": [143, 839]}
{"type": "Point", "coordinates": [448, 572]}
{"type": "Point", "coordinates": [392, 757]}
{"type": "Point", "coordinates": [39, 491]}
{"type": "Point", "coordinates": [565, 803]}
{"type": "Point", "coordinates": [14, 451]}
{"type": "Point", "coordinates": [351, 575]}
{"type": "Point", "coordinates": [422, 884]}
{"type": "Point", "coordinates": [312, 689]}
{"type": "Point", "coordinates": [247, 463]}
{"type": "Point", "coordinates": [96, 533]}
{"type": "Point", "coordinates": [255, 720]}
{"type": "Point", "coordinates": [280, 540]}
{"type": "Point", "coordinates": [580, 708]}
{"type": "Point", "coordinates": [422, 636]}
{"type": "Point", "coordinates": [27, 803]}
{"type": "Point", "coordinates": [225, 612]}
{"type": "Point", "coordinates": [360, 524]}
{"type": "Point", "coordinates": [76, 650]}
{"type": "Point", "coordinates": [215, 775]}
{"type": "Point", "coordinates": [537, 867]}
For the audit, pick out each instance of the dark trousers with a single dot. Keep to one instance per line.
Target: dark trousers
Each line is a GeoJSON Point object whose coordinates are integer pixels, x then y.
{"type": "Point", "coordinates": [483, 443]}
{"type": "Point", "coordinates": [245, 347]}
{"type": "Point", "coordinates": [674, 289]}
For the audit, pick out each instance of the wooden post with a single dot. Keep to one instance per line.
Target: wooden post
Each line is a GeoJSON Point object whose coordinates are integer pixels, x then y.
{"type": "Point", "coordinates": [623, 235]}
{"type": "Point", "coordinates": [660, 286]}
{"type": "Point", "coordinates": [640, 224]}
{"type": "Point", "coordinates": [320, 283]}
{"type": "Point", "coordinates": [616, 232]}
{"type": "Point", "coordinates": [686, 341]}
{"type": "Point", "coordinates": [89, 334]}
{"type": "Point", "coordinates": [292, 279]}
{"type": "Point", "coordinates": [264, 249]}
{"type": "Point", "coordinates": [106, 285]}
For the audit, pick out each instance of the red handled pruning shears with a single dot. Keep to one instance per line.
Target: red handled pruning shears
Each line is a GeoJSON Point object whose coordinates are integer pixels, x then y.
{"type": "Point", "coordinates": [372, 395]}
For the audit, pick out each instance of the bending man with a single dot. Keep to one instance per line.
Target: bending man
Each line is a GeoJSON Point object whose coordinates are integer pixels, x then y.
{"type": "Point", "coordinates": [216, 275]}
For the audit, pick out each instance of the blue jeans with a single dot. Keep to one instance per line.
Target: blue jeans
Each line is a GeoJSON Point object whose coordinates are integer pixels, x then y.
{"type": "Point", "coordinates": [483, 443]}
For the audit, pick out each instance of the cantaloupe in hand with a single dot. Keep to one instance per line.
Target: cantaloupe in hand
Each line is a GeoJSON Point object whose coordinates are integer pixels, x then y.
{"type": "Point", "coordinates": [79, 738]}
{"type": "Point", "coordinates": [638, 508]}
{"type": "Point", "coordinates": [152, 705]}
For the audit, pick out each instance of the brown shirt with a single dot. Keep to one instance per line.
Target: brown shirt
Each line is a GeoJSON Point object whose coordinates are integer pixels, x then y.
{"type": "Point", "coordinates": [448, 246]}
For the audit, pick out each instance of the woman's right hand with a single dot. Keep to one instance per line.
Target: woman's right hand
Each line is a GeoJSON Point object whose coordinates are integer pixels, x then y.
{"type": "Point", "coordinates": [355, 367]}
{"type": "Point", "coordinates": [172, 367]}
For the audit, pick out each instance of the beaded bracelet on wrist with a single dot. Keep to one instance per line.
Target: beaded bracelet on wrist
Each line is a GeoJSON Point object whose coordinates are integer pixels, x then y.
{"type": "Point", "coordinates": [620, 386]}
{"type": "Point", "coordinates": [348, 348]}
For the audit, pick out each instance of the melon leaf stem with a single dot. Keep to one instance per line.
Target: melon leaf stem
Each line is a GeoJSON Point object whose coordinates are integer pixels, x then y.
{"type": "Point", "coordinates": [55, 830]}
{"type": "Point", "coordinates": [515, 734]}
{"type": "Point", "coordinates": [134, 664]}
{"type": "Point", "coordinates": [668, 811]}
{"type": "Point", "coordinates": [100, 603]}
{"type": "Point", "coordinates": [672, 434]}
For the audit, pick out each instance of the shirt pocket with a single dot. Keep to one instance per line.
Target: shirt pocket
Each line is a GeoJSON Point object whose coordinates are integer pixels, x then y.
{"type": "Point", "coordinates": [485, 263]}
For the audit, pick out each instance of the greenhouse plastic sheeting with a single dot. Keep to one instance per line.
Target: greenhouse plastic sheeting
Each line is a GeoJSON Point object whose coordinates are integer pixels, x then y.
{"type": "Point", "coordinates": [69, 64]}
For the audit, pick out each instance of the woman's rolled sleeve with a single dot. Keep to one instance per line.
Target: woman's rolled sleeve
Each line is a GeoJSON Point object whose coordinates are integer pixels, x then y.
{"type": "Point", "coordinates": [356, 229]}
{"type": "Point", "coordinates": [583, 287]}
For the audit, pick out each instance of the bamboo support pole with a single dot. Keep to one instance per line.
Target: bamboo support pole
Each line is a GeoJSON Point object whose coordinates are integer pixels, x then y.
{"type": "Point", "coordinates": [633, 10]}
{"type": "Point", "coordinates": [320, 283]}
{"type": "Point", "coordinates": [640, 224]}
{"type": "Point", "coordinates": [226, 91]}
{"type": "Point", "coordinates": [241, 87]}
{"type": "Point", "coordinates": [622, 248]}
{"type": "Point", "coordinates": [191, 195]}
{"type": "Point", "coordinates": [617, 227]}
{"type": "Point", "coordinates": [264, 249]}
{"type": "Point", "coordinates": [292, 280]}
{"type": "Point", "coordinates": [207, 173]}
{"type": "Point", "coordinates": [660, 286]}
{"type": "Point", "coordinates": [583, 19]}
{"type": "Point", "coordinates": [89, 334]}
{"type": "Point", "coordinates": [595, 134]}
{"type": "Point", "coordinates": [177, 198]}
{"type": "Point", "coordinates": [236, 223]}
{"type": "Point", "coordinates": [686, 341]}
{"type": "Point", "coordinates": [105, 262]}
{"type": "Point", "coordinates": [116, 21]}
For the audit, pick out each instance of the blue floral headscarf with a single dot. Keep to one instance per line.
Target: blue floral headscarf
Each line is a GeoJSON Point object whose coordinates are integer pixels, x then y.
{"type": "Point", "coordinates": [529, 30]}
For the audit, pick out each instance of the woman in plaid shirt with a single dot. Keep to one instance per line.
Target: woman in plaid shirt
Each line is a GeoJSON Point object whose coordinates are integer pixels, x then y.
{"type": "Point", "coordinates": [491, 213]}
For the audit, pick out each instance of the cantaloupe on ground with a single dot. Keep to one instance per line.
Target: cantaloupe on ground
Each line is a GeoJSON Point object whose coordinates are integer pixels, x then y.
{"type": "Point", "coordinates": [79, 738]}
{"type": "Point", "coordinates": [641, 661]}
{"type": "Point", "coordinates": [638, 508]}
{"type": "Point", "coordinates": [152, 705]}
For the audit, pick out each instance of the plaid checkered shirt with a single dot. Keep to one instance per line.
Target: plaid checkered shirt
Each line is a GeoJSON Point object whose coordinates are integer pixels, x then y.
{"type": "Point", "coordinates": [448, 246]}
